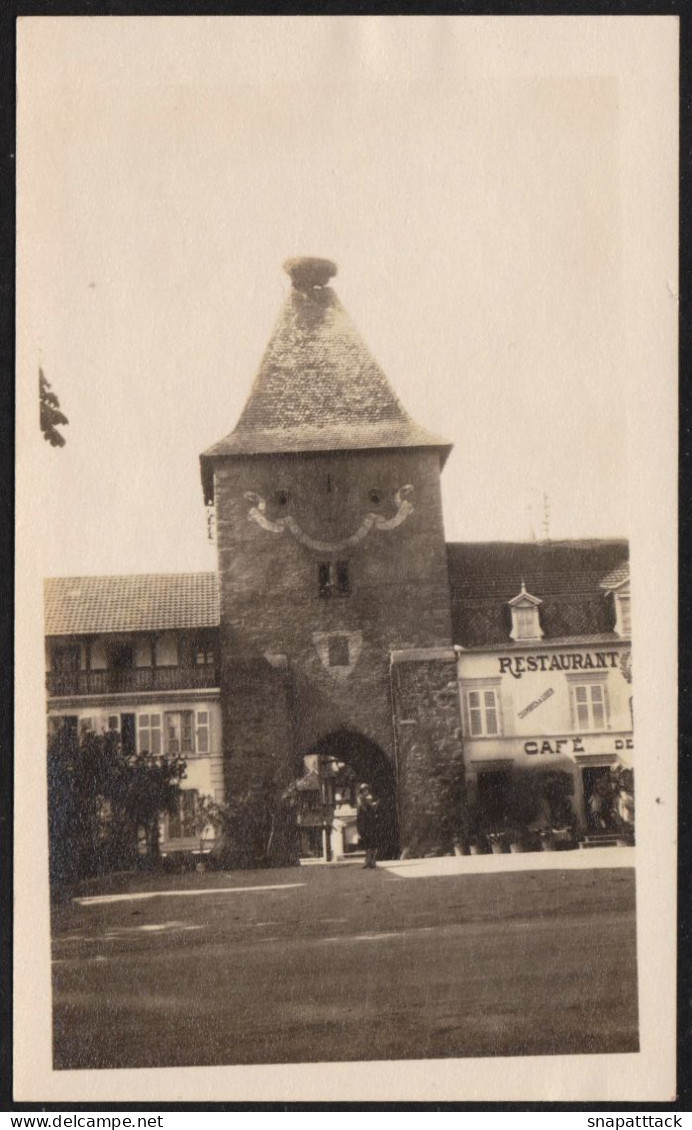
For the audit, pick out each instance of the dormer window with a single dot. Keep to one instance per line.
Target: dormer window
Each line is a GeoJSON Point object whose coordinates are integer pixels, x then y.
{"type": "Point", "coordinates": [623, 622]}
{"type": "Point", "coordinates": [618, 583]}
{"type": "Point", "coordinates": [526, 624]}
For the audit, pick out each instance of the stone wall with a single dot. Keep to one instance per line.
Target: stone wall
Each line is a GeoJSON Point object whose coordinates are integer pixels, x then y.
{"type": "Point", "coordinates": [430, 767]}
{"type": "Point", "coordinates": [269, 590]}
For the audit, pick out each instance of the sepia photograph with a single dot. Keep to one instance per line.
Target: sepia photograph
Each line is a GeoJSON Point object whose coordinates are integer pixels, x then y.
{"type": "Point", "coordinates": [340, 390]}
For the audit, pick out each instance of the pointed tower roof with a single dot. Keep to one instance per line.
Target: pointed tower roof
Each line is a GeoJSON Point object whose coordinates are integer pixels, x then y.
{"type": "Point", "coordinates": [318, 388]}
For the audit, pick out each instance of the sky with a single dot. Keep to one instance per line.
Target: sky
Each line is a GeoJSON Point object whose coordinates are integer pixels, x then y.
{"type": "Point", "coordinates": [465, 175]}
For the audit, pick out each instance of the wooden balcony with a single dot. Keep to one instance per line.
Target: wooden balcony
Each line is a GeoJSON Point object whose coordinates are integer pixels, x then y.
{"type": "Point", "coordinates": [133, 680]}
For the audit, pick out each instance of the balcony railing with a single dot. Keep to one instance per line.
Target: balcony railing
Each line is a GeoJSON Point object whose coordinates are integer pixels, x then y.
{"type": "Point", "coordinates": [132, 680]}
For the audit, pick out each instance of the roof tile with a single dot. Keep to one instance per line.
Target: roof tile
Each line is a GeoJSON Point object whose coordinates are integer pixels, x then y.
{"type": "Point", "coordinates": [139, 602]}
{"type": "Point", "coordinates": [318, 388]}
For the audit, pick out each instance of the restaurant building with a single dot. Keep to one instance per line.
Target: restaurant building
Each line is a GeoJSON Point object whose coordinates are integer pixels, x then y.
{"type": "Point", "coordinates": [545, 678]}
{"type": "Point", "coordinates": [340, 627]}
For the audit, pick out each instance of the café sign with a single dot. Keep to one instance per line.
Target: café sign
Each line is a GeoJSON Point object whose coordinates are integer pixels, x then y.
{"type": "Point", "coordinates": [571, 746]}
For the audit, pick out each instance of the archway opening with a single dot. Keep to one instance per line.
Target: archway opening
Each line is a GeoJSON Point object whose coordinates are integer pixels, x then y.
{"type": "Point", "coordinates": [364, 762]}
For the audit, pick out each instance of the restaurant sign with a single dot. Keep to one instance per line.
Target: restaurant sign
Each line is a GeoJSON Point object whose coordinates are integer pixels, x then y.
{"type": "Point", "coordinates": [518, 665]}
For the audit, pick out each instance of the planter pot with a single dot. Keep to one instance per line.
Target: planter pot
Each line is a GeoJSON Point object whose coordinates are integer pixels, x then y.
{"type": "Point", "coordinates": [497, 849]}
{"type": "Point", "coordinates": [516, 847]}
{"type": "Point", "coordinates": [459, 849]}
{"type": "Point", "coordinates": [547, 845]}
{"type": "Point", "coordinates": [476, 849]}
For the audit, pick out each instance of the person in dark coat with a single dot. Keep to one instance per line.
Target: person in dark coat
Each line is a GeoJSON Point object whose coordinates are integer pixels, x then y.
{"type": "Point", "coordinates": [366, 823]}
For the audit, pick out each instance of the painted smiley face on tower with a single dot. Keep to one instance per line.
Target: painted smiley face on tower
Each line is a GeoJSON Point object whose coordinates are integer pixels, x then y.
{"type": "Point", "coordinates": [372, 519]}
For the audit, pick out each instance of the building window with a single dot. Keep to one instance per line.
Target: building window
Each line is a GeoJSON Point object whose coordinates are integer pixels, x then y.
{"type": "Point", "coordinates": [338, 651]}
{"type": "Point", "coordinates": [182, 824]}
{"type": "Point", "coordinates": [590, 706]}
{"type": "Point", "coordinates": [333, 579]}
{"type": "Point", "coordinates": [113, 721]}
{"type": "Point", "coordinates": [120, 656]}
{"type": "Point", "coordinates": [483, 711]}
{"type": "Point", "coordinates": [86, 726]}
{"type": "Point", "coordinates": [203, 651]}
{"type": "Point", "coordinates": [203, 731]}
{"type": "Point", "coordinates": [167, 651]}
{"type": "Point", "coordinates": [66, 659]}
{"type": "Point", "coordinates": [66, 723]}
{"type": "Point", "coordinates": [149, 734]}
{"type": "Point", "coordinates": [179, 734]}
{"type": "Point", "coordinates": [282, 498]}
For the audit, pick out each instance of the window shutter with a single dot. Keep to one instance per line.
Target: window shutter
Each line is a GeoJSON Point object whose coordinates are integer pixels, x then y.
{"type": "Point", "coordinates": [143, 734]}
{"type": "Point", "coordinates": [606, 707]}
{"type": "Point", "coordinates": [155, 720]}
{"type": "Point", "coordinates": [203, 731]}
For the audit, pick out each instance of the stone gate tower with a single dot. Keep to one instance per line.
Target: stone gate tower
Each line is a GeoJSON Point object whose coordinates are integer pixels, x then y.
{"type": "Point", "coordinates": [334, 589]}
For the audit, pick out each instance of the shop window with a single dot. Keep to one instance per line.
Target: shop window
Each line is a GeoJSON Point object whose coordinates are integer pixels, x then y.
{"type": "Point", "coordinates": [149, 734]}
{"type": "Point", "coordinates": [483, 712]}
{"type": "Point", "coordinates": [589, 706]}
{"type": "Point", "coordinates": [492, 797]}
{"type": "Point", "coordinates": [182, 823]}
{"type": "Point", "coordinates": [178, 732]}
{"type": "Point", "coordinates": [338, 651]}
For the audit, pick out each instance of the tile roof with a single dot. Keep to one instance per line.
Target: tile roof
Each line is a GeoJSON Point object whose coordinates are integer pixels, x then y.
{"type": "Point", "coordinates": [616, 577]}
{"type": "Point", "coordinates": [318, 387]}
{"type": "Point", "coordinates": [566, 576]}
{"type": "Point", "coordinates": [139, 602]}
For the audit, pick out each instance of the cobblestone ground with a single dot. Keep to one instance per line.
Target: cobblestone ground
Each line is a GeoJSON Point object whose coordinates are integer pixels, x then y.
{"type": "Point", "coordinates": [348, 964]}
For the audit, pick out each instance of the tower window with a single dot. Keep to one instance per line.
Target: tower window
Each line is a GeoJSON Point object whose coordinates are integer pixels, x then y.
{"type": "Point", "coordinates": [325, 579]}
{"type": "Point", "coordinates": [343, 586]}
{"type": "Point", "coordinates": [333, 579]}
{"type": "Point", "coordinates": [338, 651]}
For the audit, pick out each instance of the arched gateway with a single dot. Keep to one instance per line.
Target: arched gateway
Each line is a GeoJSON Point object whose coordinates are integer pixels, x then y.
{"type": "Point", "coordinates": [370, 765]}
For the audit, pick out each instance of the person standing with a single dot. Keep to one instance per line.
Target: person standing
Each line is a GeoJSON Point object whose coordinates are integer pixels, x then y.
{"type": "Point", "coordinates": [366, 823]}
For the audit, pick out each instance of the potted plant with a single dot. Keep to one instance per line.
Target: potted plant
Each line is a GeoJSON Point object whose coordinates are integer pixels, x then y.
{"type": "Point", "coordinates": [478, 844]}
{"type": "Point", "coordinates": [517, 840]}
{"type": "Point", "coordinates": [498, 842]}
